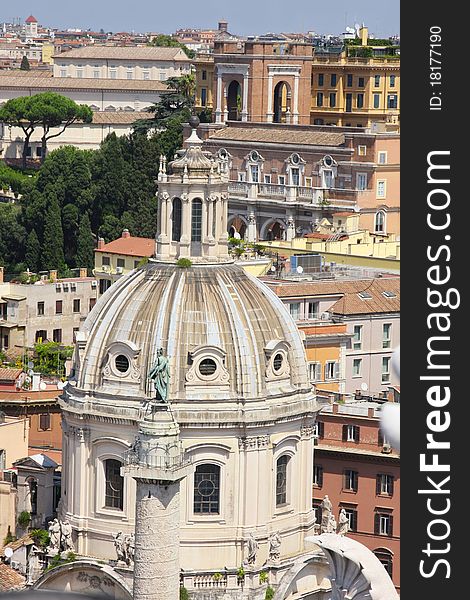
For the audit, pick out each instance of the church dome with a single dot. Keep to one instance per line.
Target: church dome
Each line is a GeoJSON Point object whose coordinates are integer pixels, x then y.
{"type": "Point", "coordinates": [228, 338]}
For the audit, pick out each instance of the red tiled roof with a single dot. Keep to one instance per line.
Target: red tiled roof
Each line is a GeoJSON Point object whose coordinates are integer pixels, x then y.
{"type": "Point", "coordinates": [345, 214]}
{"type": "Point", "coordinates": [131, 246]}
{"type": "Point", "coordinates": [9, 374]}
{"type": "Point", "coordinates": [31, 19]}
{"type": "Point", "coordinates": [10, 579]}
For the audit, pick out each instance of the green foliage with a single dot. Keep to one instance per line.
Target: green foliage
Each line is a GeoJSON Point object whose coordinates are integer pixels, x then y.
{"type": "Point", "coordinates": [269, 593]}
{"type": "Point", "coordinates": [241, 573]}
{"type": "Point", "coordinates": [263, 577]}
{"type": "Point", "coordinates": [9, 537]}
{"type": "Point", "coordinates": [184, 263]}
{"type": "Point", "coordinates": [11, 178]}
{"type": "Point", "coordinates": [24, 519]}
{"type": "Point", "coordinates": [184, 593]}
{"type": "Point", "coordinates": [40, 537]}
{"type": "Point", "coordinates": [12, 238]}
{"type": "Point", "coordinates": [33, 251]}
{"type": "Point", "coordinates": [49, 358]}
{"type": "Point", "coordinates": [53, 244]}
{"type": "Point", "coordinates": [217, 576]}
{"type": "Point", "coordinates": [57, 561]}
{"type": "Point", "coordinates": [235, 241]}
{"type": "Point", "coordinates": [142, 262]}
{"type": "Point", "coordinates": [239, 251]}
{"type": "Point", "coordinates": [168, 41]}
{"type": "Point", "coordinates": [85, 244]}
{"type": "Point", "coordinates": [25, 66]}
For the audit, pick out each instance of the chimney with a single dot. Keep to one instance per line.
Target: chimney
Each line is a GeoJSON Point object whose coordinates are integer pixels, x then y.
{"type": "Point", "coordinates": [36, 382]}
{"type": "Point", "coordinates": [83, 273]}
{"type": "Point", "coordinates": [125, 233]}
{"type": "Point", "coordinates": [53, 275]}
{"type": "Point", "coordinates": [1, 274]}
{"type": "Point", "coordinates": [335, 408]}
{"type": "Point", "coordinates": [364, 33]}
{"type": "Point", "coordinates": [370, 412]}
{"type": "Point", "coordinates": [223, 25]}
{"type": "Point", "coordinates": [100, 243]}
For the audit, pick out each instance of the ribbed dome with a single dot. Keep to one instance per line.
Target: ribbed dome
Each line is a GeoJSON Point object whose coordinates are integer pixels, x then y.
{"type": "Point", "coordinates": [225, 333]}
{"type": "Point", "coordinates": [194, 159]}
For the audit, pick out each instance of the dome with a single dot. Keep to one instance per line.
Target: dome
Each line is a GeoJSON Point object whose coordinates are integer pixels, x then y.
{"type": "Point", "coordinates": [226, 335]}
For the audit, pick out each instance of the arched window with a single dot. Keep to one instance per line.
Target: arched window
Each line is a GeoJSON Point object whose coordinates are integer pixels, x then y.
{"type": "Point", "coordinates": [380, 222]}
{"type": "Point", "coordinates": [207, 489]}
{"type": "Point", "coordinates": [281, 480]}
{"type": "Point", "coordinates": [386, 558]}
{"type": "Point", "coordinates": [176, 220]}
{"type": "Point", "coordinates": [114, 484]}
{"type": "Point", "coordinates": [196, 220]}
{"type": "Point", "coordinates": [33, 496]}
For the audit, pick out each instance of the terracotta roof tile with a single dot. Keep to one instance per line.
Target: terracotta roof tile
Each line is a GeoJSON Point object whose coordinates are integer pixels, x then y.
{"type": "Point", "coordinates": [121, 117]}
{"type": "Point", "coordinates": [9, 374]}
{"type": "Point", "coordinates": [126, 53]}
{"type": "Point", "coordinates": [279, 135]}
{"type": "Point", "coordinates": [39, 84]}
{"type": "Point", "coordinates": [10, 579]}
{"type": "Point", "coordinates": [132, 246]}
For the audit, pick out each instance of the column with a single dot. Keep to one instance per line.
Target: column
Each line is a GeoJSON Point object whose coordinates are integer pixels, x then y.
{"type": "Point", "coordinates": [245, 97]}
{"type": "Point", "coordinates": [225, 117]}
{"type": "Point", "coordinates": [270, 114]}
{"type": "Point", "coordinates": [185, 239]}
{"type": "Point", "coordinates": [252, 227]}
{"type": "Point", "coordinates": [218, 110]}
{"type": "Point", "coordinates": [295, 112]}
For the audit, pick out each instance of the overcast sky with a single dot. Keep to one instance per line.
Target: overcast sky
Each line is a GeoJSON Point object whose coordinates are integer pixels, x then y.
{"type": "Point", "coordinates": [245, 17]}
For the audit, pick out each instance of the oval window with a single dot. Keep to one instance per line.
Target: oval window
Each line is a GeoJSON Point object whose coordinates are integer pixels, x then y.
{"type": "Point", "coordinates": [207, 367]}
{"type": "Point", "coordinates": [277, 362]}
{"type": "Point", "coordinates": [122, 363]}
{"type": "Point", "coordinates": [254, 156]}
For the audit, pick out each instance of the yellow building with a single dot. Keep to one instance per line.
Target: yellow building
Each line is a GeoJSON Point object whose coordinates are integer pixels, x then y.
{"type": "Point", "coordinates": [357, 85]}
{"type": "Point", "coordinates": [204, 65]}
{"type": "Point", "coordinates": [48, 50]}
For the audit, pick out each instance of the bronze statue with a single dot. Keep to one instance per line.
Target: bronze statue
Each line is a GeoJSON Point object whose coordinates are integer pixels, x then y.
{"type": "Point", "coordinates": [160, 375]}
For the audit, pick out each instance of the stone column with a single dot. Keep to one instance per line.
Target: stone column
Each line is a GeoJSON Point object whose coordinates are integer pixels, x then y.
{"type": "Point", "coordinates": [218, 110]}
{"type": "Point", "coordinates": [270, 114]}
{"type": "Point", "coordinates": [295, 112]}
{"type": "Point", "coordinates": [252, 227]}
{"type": "Point", "coordinates": [185, 239]}
{"type": "Point", "coordinates": [225, 118]}
{"type": "Point", "coordinates": [245, 97]}
{"type": "Point", "coordinates": [163, 242]}
{"type": "Point", "coordinates": [290, 232]}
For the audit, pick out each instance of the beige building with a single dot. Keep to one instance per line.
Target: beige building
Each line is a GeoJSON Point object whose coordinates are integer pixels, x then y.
{"type": "Point", "coordinates": [13, 438]}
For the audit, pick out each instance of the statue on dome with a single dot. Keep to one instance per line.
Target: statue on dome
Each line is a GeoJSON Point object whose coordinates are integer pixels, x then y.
{"type": "Point", "coordinates": [160, 375]}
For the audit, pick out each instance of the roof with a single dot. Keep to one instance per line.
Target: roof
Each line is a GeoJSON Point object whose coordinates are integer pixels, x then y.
{"type": "Point", "coordinates": [325, 236]}
{"type": "Point", "coordinates": [279, 135]}
{"type": "Point", "coordinates": [39, 460]}
{"type": "Point", "coordinates": [25, 540]}
{"type": "Point", "coordinates": [120, 117]}
{"type": "Point", "coordinates": [28, 396]}
{"type": "Point", "coordinates": [131, 246]}
{"type": "Point", "coordinates": [126, 53]}
{"type": "Point", "coordinates": [345, 214]}
{"type": "Point", "coordinates": [72, 83]}
{"type": "Point", "coordinates": [9, 374]}
{"type": "Point", "coordinates": [10, 579]}
{"type": "Point", "coordinates": [31, 19]}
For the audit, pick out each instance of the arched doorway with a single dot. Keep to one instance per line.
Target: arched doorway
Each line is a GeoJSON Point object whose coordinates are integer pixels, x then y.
{"type": "Point", "coordinates": [273, 230]}
{"type": "Point", "coordinates": [282, 102]}
{"type": "Point", "coordinates": [237, 225]}
{"type": "Point", "coordinates": [234, 101]}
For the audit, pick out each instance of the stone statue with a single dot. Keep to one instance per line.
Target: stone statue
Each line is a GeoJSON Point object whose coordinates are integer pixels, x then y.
{"type": "Point", "coordinates": [331, 527]}
{"type": "Point", "coordinates": [66, 542]}
{"type": "Point", "coordinates": [33, 564]}
{"type": "Point", "coordinates": [54, 537]}
{"type": "Point", "coordinates": [120, 547]}
{"type": "Point", "coordinates": [274, 546]}
{"type": "Point", "coordinates": [160, 375]}
{"type": "Point", "coordinates": [252, 545]}
{"type": "Point", "coordinates": [326, 508]}
{"type": "Point", "coordinates": [343, 523]}
{"type": "Point", "coordinates": [130, 548]}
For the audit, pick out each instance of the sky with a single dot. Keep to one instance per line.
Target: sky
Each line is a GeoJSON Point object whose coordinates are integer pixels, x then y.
{"type": "Point", "coordinates": [245, 17]}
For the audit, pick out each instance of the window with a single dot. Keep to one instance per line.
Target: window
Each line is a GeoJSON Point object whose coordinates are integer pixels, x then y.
{"type": "Point", "coordinates": [207, 489]}
{"type": "Point", "coordinates": [351, 433]}
{"type": "Point", "coordinates": [392, 80]}
{"type": "Point", "coordinates": [75, 331]}
{"type": "Point", "coordinates": [281, 480]}
{"type": "Point", "coordinates": [349, 80]}
{"type": "Point", "coordinates": [382, 158]}
{"type": "Point", "coordinates": [357, 367]}
{"type": "Point", "coordinates": [57, 336]}
{"type": "Point", "coordinates": [162, 75]}
{"type": "Point", "coordinates": [317, 475]}
{"type": "Point", "coordinates": [105, 261]}
{"type": "Point", "coordinates": [122, 363]}
{"type": "Point", "coordinates": [176, 220]}
{"type": "Point", "coordinates": [254, 171]}
{"type": "Point", "coordinates": [362, 150]}
{"type": "Point", "coordinates": [40, 309]}
{"type": "Point", "coordinates": [327, 178]}
{"type": "Point", "coordinates": [392, 101]}
{"type": "Point", "coordinates": [348, 106]}
{"type": "Point", "coordinates": [41, 336]}
{"type": "Point", "coordinates": [386, 559]}
{"type": "Point", "coordinates": [331, 370]}
{"type": "Point", "coordinates": [321, 79]}
{"type": "Point", "coordinates": [320, 99]}
{"type": "Point", "coordinates": [333, 80]}
{"type": "Point", "coordinates": [380, 222]}
{"type": "Point", "coordinates": [121, 262]}
{"type": "Point", "coordinates": [294, 308]}
{"type": "Point", "coordinates": [332, 99]}
{"type": "Point", "coordinates": [361, 82]}
{"type": "Point", "coordinates": [2, 461]}
{"type": "Point", "coordinates": [6, 341]}
{"type": "Point", "coordinates": [386, 369]}
{"type": "Point", "coordinates": [96, 74]}
{"type": "Point", "coordinates": [79, 73]}
{"type": "Point", "coordinates": [45, 421]}
{"type": "Point", "coordinates": [76, 305]}
{"type": "Point", "coordinates": [63, 72]}
{"type": "Point", "coordinates": [386, 335]}
{"type": "Point", "coordinates": [136, 263]}
{"type": "Point", "coordinates": [146, 75]}
{"type": "Point", "coordinates": [33, 496]}
{"type": "Point", "coordinates": [357, 339]}
{"type": "Point", "coordinates": [376, 100]}
{"type": "Point", "coordinates": [196, 220]}
{"type": "Point", "coordinates": [38, 151]}
{"type": "Point", "coordinates": [319, 429]}
{"type": "Point", "coordinates": [384, 485]}
{"type": "Point", "coordinates": [203, 96]}
{"type": "Point", "coordinates": [104, 285]}
{"type": "Point", "coordinates": [351, 514]}
{"type": "Point", "coordinates": [295, 176]}
{"type": "Point", "coordinates": [114, 484]}
{"type": "Point", "coordinates": [204, 75]}
{"type": "Point", "coordinates": [350, 480]}
{"type": "Point", "coordinates": [241, 176]}
{"type": "Point", "coordinates": [129, 75]}
{"type": "Point", "coordinates": [308, 182]}
{"type": "Point", "coordinates": [92, 302]}
{"type": "Point", "coordinates": [314, 371]}
{"type": "Point", "coordinates": [312, 310]}
{"type": "Point", "coordinates": [361, 181]}
{"type": "Point", "coordinates": [360, 101]}
{"type": "Point", "coordinates": [377, 81]}
{"type": "Point", "coordinates": [381, 185]}
{"type": "Point", "coordinates": [112, 74]}
{"type": "Point", "coordinates": [317, 510]}
{"type": "Point", "coordinates": [58, 307]}
{"type": "Point", "coordinates": [383, 524]}
{"type": "Point", "coordinates": [281, 179]}
{"type": "Point", "coordinates": [267, 179]}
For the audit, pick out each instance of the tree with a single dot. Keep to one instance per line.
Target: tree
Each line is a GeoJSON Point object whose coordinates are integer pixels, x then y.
{"type": "Point", "coordinates": [53, 242]}
{"type": "Point", "coordinates": [12, 238]}
{"type": "Point", "coordinates": [49, 358]}
{"type": "Point", "coordinates": [18, 112]}
{"type": "Point", "coordinates": [25, 66]}
{"type": "Point", "coordinates": [85, 244]}
{"type": "Point", "coordinates": [167, 41]}
{"type": "Point", "coordinates": [33, 252]}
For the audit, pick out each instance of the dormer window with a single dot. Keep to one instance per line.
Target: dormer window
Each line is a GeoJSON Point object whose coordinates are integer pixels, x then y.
{"type": "Point", "coordinates": [207, 367]}
{"type": "Point", "coordinates": [122, 363]}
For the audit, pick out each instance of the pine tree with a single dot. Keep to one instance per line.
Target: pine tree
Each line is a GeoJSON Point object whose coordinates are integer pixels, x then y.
{"type": "Point", "coordinates": [53, 243]}
{"type": "Point", "coordinates": [85, 244]}
{"type": "Point", "coordinates": [33, 252]}
{"type": "Point", "coordinates": [25, 66]}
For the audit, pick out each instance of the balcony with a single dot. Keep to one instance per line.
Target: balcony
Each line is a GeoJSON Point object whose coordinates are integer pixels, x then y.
{"type": "Point", "coordinates": [310, 197]}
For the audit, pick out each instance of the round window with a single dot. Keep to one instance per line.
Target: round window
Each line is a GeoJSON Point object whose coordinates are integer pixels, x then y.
{"type": "Point", "coordinates": [206, 488]}
{"type": "Point", "coordinates": [122, 363]}
{"type": "Point", "coordinates": [327, 160]}
{"type": "Point", "coordinates": [254, 155]}
{"type": "Point", "coordinates": [222, 153]}
{"type": "Point", "coordinates": [295, 159]}
{"type": "Point", "coordinates": [277, 362]}
{"type": "Point", "coordinates": [207, 367]}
